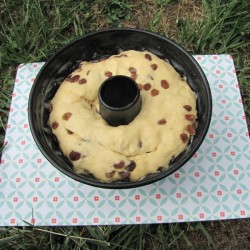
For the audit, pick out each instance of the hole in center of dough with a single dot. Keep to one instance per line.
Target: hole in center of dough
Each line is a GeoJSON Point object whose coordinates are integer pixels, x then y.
{"type": "Point", "coordinates": [118, 91]}
{"type": "Point", "coordinates": [119, 99]}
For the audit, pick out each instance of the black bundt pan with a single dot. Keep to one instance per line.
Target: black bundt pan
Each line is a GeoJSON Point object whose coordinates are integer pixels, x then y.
{"type": "Point", "coordinates": [105, 43]}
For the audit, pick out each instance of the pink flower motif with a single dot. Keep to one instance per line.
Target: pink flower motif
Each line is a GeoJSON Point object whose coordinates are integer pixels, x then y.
{"type": "Point", "coordinates": [180, 216]}
{"type": "Point", "coordinates": [178, 195]}
{"type": "Point", "coordinates": [222, 214]}
{"type": "Point", "coordinates": [242, 212]}
{"type": "Point", "coordinates": [219, 192]}
{"type": "Point", "coordinates": [211, 136]}
{"type": "Point", "coordinates": [199, 194]}
{"type": "Point", "coordinates": [55, 199]}
{"type": "Point", "coordinates": [216, 173]}
{"type": "Point", "coordinates": [138, 218]}
{"type": "Point", "coordinates": [137, 197]}
{"type": "Point", "coordinates": [197, 174]}
{"type": "Point", "coordinates": [159, 218]}
{"type": "Point", "coordinates": [201, 215]}
{"type": "Point", "coordinates": [158, 196]}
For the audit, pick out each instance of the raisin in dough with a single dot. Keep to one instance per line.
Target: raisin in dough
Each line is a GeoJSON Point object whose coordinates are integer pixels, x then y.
{"type": "Point", "coordinates": [159, 132]}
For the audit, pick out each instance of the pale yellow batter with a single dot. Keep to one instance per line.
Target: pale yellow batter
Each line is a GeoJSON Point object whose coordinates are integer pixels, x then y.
{"type": "Point", "coordinates": [160, 132]}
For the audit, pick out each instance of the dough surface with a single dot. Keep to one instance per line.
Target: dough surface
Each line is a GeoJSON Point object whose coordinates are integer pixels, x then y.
{"type": "Point", "coordinates": [160, 132]}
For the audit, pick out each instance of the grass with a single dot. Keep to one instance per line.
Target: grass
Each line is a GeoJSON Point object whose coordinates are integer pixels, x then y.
{"type": "Point", "coordinates": [32, 30]}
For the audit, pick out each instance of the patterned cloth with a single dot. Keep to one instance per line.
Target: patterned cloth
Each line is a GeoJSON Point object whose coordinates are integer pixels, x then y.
{"type": "Point", "coordinates": [214, 184]}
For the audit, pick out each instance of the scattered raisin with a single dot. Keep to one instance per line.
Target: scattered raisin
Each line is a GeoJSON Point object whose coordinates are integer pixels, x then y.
{"type": "Point", "coordinates": [190, 117]}
{"type": "Point", "coordinates": [162, 122]}
{"type": "Point", "coordinates": [108, 73]}
{"type": "Point", "coordinates": [110, 175]}
{"type": "Point", "coordinates": [131, 166]}
{"type": "Point", "coordinates": [69, 132]}
{"type": "Point", "coordinates": [74, 78]}
{"type": "Point", "coordinates": [132, 70]}
{"type": "Point", "coordinates": [74, 156]}
{"type": "Point", "coordinates": [54, 125]}
{"type": "Point", "coordinates": [66, 116]}
{"type": "Point", "coordinates": [140, 143]}
{"type": "Point", "coordinates": [187, 107]}
{"type": "Point", "coordinates": [184, 137]}
{"type": "Point", "coordinates": [82, 81]}
{"type": "Point", "coordinates": [134, 76]}
{"type": "Point", "coordinates": [139, 86]}
{"type": "Point", "coordinates": [119, 165]}
{"type": "Point", "coordinates": [124, 174]}
{"type": "Point", "coordinates": [153, 66]}
{"type": "Point", "coordinates": [191, 129]}
{"type": "Point", "coordinates": [121, 55]}
{"type": "Point", "coordinates": [87, 72]}
{"type": "Point", "coordinates": [147, 86]}
{"type": "Point", "coordinates": [68, 77]}
{"type": "Point", "coordinates": [148, 57]}
{"type": "Point", "coordinates": [164, 84]}
{"type": "Point", "coordinates": [160, 168]}
{"type": "Point", "coordinates": [50, 108]}
{"type": "Point", "coordinates": [154, 92]}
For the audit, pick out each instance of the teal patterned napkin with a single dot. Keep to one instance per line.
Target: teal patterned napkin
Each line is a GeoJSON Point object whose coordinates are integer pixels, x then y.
{"type": "Point", "coordinates": [213, 185]}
